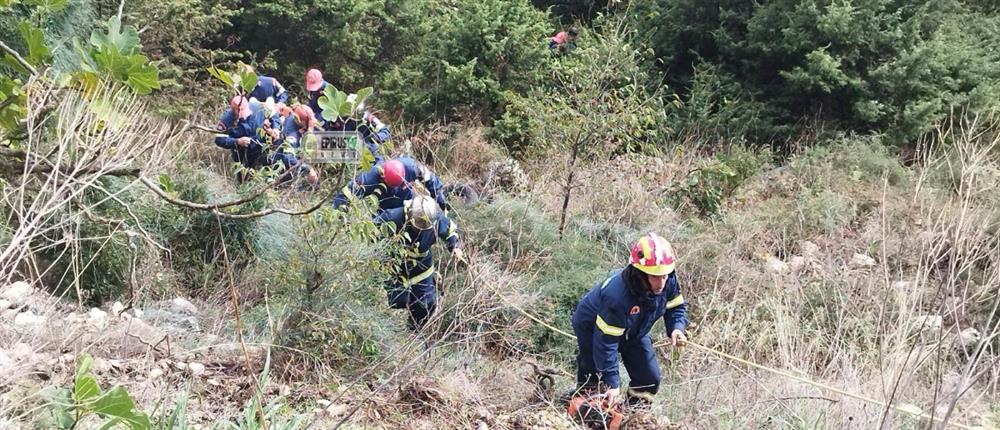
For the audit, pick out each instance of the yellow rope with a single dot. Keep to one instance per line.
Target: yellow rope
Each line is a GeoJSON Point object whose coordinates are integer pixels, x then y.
{"type": "Point", "coordinates": [900, 409]}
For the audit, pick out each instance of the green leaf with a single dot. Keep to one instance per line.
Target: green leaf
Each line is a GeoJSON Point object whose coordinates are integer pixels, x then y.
{"type": "Point", "coordinates": [124, 41]}
{"type": "Point", "coordinates": [83, 365]}
{"type": "Point", "coordinates": [364, 93]}
{"type": "Point", "coordinates": [222, 75]}
{"type": "Point", "coordinates": [117, 403]}
{"type": "Point", "coordinates": [9, 61]}
{"type": "Point", "coordinates": [7, 3]}
{"type": "Point", "coordinates": [61, 403]}
{"type": "Point", "coordinates": [87, 80]}
{"type": "Point", "coordinates": [166, 184]}
{"type": "Point", "coordinates": [143, 77]}
{"type": "Point", "coordinates": [38, 52]}
{"type": "Point", "coordinates": [248, 80]}
{"type": "Point", "coordinates": [50, 6]}
{"type": "Point", "coordinates": [85, 390]}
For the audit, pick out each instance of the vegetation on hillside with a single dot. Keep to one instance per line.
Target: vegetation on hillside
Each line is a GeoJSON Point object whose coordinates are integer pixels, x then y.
{"type": "Point", "coordinates": [826, 171]}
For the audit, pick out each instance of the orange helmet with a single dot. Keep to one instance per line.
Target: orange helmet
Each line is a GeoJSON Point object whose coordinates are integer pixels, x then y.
{"type": "Point", "coordinates": [653, 255]}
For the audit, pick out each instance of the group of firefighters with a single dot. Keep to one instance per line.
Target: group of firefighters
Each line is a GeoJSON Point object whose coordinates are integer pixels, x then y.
{"type": "Point", "coordinates": [613, 318]}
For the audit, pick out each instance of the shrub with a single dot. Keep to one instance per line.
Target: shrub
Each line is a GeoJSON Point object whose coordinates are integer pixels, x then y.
{"type": "Point", "coordinates": [470, 55]}
{"type": "Point", "coordinates": [707, 187]}
{"type": "Point", "coordinates": [897, 67]}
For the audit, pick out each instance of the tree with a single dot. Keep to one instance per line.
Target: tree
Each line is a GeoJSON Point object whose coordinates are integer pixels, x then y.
{"type": "Point", "coordinates": [470, 55]}
{"type": "Point", "coordinates": [598, 104]}
{"type": "Point", "coordinates": [866, 65]}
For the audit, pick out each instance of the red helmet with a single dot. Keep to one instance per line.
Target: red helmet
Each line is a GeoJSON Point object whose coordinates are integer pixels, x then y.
{"type": "Point", "coordinates": [653, 255]}
{"type": "Point", "coordinates": [393, 173]}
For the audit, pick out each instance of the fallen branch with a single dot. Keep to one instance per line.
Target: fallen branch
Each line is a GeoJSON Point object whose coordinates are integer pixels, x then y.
{"type": "Point", "coordinates": [155, 188]}
{"type": "Point", "coordinates": [270, 211]}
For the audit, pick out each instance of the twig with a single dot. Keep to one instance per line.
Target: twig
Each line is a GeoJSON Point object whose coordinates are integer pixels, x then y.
{"type": "Point", "coordinates": [24, 63]}
{"type": "Point", "coordinates": [239, 323]}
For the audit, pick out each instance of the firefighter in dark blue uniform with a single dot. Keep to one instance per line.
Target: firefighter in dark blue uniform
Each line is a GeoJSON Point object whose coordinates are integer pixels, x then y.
{"type": "Point", "coordinates": [617, 315]}
{"type": "Point", "coordinates": [248, 134]}
{"type": "Point", "coordinates": [267, 87]}
{"type": "Point", "coordinates": [390, 182]}
{"type": "Point", "coordinates": [418, 224]}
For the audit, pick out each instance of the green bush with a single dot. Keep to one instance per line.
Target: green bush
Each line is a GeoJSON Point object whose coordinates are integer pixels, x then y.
{"type": "Point", "coordinates": [707, 187]}
{"type": "Point", "coordinates": [849, 159]}
{"type": "Point", "coordinates": [470, 54]}
{"type": "Point", "coordinates": [883, 65]}
{"type": "Point", "coordinates": [352, 42]}
{"type": "Point", "coordinates": [566, 268]}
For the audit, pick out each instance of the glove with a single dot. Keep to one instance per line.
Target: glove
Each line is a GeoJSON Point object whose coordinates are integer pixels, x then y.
{"type": "Point", "coordinates": [459, 255]}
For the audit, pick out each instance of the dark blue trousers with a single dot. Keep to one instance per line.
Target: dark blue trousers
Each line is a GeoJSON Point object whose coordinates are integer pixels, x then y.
{"type": "Point", "coordinates": [420, 299]}
{"type": "Point", "coordinates": [639, 359]}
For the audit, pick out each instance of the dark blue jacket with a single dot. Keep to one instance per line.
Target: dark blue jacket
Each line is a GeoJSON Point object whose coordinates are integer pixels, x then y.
{"type": "Point", "coordinates": [291, 133]}
{"type": "Point", "coordinates": [252, 127]}
{"type": "Point", "coordinates": [314, 102]}
{"type": "Point", "coordinates": [418, 262]}
{"type": "Point", "coordinates": [371, 183]}
{"type": "Point", "coordinates": [618, 317]}
{"type": "Point", "coordinates": [269, 87]}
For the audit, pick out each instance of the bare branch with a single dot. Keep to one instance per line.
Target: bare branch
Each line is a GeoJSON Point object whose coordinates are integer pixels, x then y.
{"type": "Point", "coordinates": [155, 188]}
{"type": "Point", "coordinates": [20, 60]}
{"type": "Point", "coordinates": [270, 211]}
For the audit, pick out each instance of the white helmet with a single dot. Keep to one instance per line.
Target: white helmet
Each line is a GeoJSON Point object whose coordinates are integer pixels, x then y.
{"type": "Point", "coordinates": [422, 211]}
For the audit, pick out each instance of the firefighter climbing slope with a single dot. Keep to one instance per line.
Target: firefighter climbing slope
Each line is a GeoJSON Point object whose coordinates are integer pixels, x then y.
{"type": "Point", "coordinates": [418, 224]}
{"type": "Point", "coordinates": [616, 316]}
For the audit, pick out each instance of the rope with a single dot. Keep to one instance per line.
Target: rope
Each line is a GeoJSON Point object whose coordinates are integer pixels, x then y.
{"type": "Point", "coordinates": [911, 410]}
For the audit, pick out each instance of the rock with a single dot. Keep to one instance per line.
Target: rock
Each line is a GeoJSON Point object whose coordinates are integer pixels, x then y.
{"type": "Point", "coordinates": [155, 374]}
{"type": "Point", "coordinates": [5, 304]}
{"type": "Point", "coordinates": [28, 319]}
{"type": "Point", "coordinates": [774, 265]}
{"type": "Point", "coordinates": [97, 318]}
{"type": "Point", "coordinates": [861, 260]}
{"type": "Point", "coordinates": [335, 410]}
{"type": "Point", "coordinates": [117, 308]}
{"type": "Point", "coordinates": [137, 312]}
{"type": "Point", "coordinates": [8, 315]}
{"type": "Point", "coordinates": [968, 338]}
{"type": "Point", "coordinates": [183, 306]}
{"type": "Point", "coordinates": [808, 248]}
{"type": "Point", "coordinates": [180, 365]}
{"type": "Point", "coordinates": [17, 293]}
{"type": "Point", "coordinates": [76, 319]}
{"type": "Point", "coordinates": [196, 369]}
{"type": "Point", "coordinates": [21, 352]}
{"type": "Point", "coordinates": [323, 403]}
{"type": "Point", "coordinates": [149, 334]}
